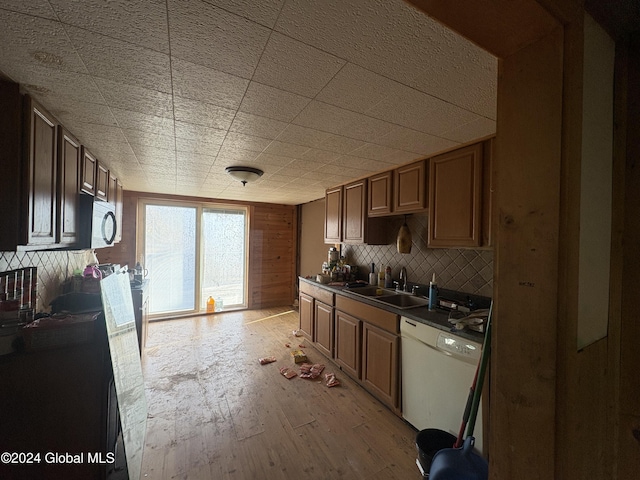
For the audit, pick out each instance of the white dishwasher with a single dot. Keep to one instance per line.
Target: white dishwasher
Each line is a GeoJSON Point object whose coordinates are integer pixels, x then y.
{"type": "Point", "coordinates": [437, 372]}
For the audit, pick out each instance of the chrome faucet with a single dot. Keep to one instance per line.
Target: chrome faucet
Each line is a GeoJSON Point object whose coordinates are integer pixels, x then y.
{"type": "Point", "coordinates": [403, 278]}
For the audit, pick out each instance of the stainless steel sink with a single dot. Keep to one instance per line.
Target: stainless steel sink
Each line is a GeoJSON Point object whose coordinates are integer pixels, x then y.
{"type": "Point", "coordinates": [371, 291]}
{"type": "Point", "coordinates": [390, 297]}
{"type": "Point", "coordinates": [403, 301]}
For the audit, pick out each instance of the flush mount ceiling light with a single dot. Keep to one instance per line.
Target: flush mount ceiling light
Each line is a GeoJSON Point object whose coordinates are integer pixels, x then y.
{"type": "Point", "coordinates": [244, 174]}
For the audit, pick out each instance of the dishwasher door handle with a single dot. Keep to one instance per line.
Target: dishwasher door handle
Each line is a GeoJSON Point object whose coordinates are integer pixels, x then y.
{"type": "Point", "coordinates": [410, 323]}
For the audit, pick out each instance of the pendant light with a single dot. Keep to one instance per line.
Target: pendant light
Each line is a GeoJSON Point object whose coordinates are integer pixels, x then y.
{"type": "Point", "coordinates": [403, 242]}
{"type": "Point", "coordinates": [244, 174]}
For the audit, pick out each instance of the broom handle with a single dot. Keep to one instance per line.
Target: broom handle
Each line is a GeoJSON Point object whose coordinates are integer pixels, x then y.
{"type": "Point", "coordinates": [486, 352]}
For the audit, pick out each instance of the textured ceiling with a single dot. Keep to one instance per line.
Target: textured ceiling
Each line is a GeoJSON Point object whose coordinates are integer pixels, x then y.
{"type": "Point", "coordinates": [168, 93]}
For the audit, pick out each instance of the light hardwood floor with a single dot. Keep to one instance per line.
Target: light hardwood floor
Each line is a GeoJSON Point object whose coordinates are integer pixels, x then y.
{"type": "Point", "coordinates": [216, 413]}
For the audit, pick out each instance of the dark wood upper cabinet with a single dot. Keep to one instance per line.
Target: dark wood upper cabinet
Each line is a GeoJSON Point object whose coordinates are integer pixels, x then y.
{"type": "Point", "coordinates": [333, 215]}
{"type": "Point", "coordinates": [69, 161]}
{"type": "Point", "coordinates": [355, 212]}
{"type": "Point", "coordinates": [455, 189]}
{"type": "Point", "coordinates": [112, 188]}
{"type": "Point", "coordinates": [88, 172]}
{"type": "Point", "coordinates": [41, 174]}
{"type": "Point", "coordinates": [119, 208]}
{"type": "Point", "coordinates": [380, 194]}
{"type": "Point", "coordinates": [102, 181]}
{"type": "Point", "coordinates": [410, 183]}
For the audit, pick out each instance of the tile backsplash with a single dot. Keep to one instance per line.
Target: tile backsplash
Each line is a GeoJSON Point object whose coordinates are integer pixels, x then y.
{"type": "Point", "coordinates": [464, 270]}
{"type": "Point", "coordinates": [53, 268]}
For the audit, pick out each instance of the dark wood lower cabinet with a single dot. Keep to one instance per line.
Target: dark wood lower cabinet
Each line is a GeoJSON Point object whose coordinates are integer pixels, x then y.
{"type": "Point", "coordinates": [347, 348]}
{"type": "Point", "coordinates": [380, 356]}
{"type": "Point", "coordinates": [324, 328]}
{"type": "Point", "coordinates": [306, 315]}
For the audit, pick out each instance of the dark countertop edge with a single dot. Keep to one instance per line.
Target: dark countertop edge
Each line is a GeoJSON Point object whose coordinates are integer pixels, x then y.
{"type": "Point", "coordinates": [437, 319]}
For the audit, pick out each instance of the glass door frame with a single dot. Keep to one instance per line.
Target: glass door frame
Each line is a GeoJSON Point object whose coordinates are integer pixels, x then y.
{"type": "Point", "coordinates": [199, 206]}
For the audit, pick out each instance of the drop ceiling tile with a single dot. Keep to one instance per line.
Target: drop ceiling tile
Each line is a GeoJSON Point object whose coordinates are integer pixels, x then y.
{"type": "Point", "coordinates": [192, 159]}
{"type": "Point", "coordinates": [205, 114]}
{"type": "Point", "coordinates": [271, 159]}
{"type": "Point", "coordinates": [121, 61]}
{"type": "Point", "coordinates": [272, 102]}
{"type": "Point", "coordinates": [330, 118]}
{"type": "Point", "coordinates": [206, 84]}
{"type": "Point", "coordinates": [212, 37]}
{"type": "Point", "coordinates": [36, 8]}
{"type": "Point", "coordinates": [132, 97]}
{"type": "Point", "coordinates": [383, 154]}
{"type": "Point", "coordinates": [303, 136]}
{"type": "Point", "coordinates": [320, 156]}
{"type": "Point", "coordinates": [358, 89]}
{"type": "Point", "coordinates": [93, 135]}
{"type": "Point", "coordinates": [414, 141]}
{"type": "Point", "coordinates": [480, 127]}
{"type": "Point", "coordinates": [296, 67]}
{"type": "Point", "coordinates": [421, 112]}
{"type": "Point", "coordinates": [340, 144]}
{"type": "Point", "coordinates": [246, 142]}
{"type": "Point", "coordinates": [128, 119]}
{"type": "Point", "coordinates": [202, 146]}
{"type": "Point", "coordinates": [264, 12]}
{"type": "Point", "coordinates": [236, 154]}
{"type": "Point", "coordinates": [261, 126]}
{"type": "Point", "coordinates": [51, 86]}
{"type": "Point", "coordinates": [285, 149]}
{"type": "Point", "coordinates": [159, 140]}
{"type": "Point", "coordinates": [199, 132]}
{"type": "Point", "coordinates": [141, 23]}
{"type": "Point", "coordinates": [84, 112]}
{"type": "Point", "coordinates": [27, 40]}
{"type": "Point", "coordinates": [154, 157]}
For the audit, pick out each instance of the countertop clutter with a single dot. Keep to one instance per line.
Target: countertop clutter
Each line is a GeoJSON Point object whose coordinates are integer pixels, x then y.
{"type": "Point", "coordinates": [443, 317]}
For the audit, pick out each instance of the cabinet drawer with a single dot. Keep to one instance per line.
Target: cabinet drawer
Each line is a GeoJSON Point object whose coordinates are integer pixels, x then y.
{"type": "Point", "coordinates": [376, 316]}
{"type": "Point", "coordinates": [318, 293]}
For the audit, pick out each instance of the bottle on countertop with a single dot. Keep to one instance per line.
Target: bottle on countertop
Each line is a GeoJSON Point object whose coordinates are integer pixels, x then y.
{"type": "Point", "coordinates": [381, 277]}
{"type": "Point", "coordinates": [433, 293]}
{"type": "Point", "coordinates": [388, 280]}
{"type": "Point", "coordinates": [373, 277]}
{"type": "Point", "coordinates": [211, 305]}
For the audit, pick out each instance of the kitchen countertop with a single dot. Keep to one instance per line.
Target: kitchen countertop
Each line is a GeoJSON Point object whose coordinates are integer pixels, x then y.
{"type": "Point", "coordinates": [435, 318]}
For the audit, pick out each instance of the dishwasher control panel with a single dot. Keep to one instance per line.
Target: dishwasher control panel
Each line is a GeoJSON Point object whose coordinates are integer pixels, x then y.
{"type": "Point", "coordinates": [459, 347]}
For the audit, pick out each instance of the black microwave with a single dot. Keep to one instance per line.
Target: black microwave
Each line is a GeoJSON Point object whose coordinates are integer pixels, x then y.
{"type": "Point", "coordinates": [98, 223]}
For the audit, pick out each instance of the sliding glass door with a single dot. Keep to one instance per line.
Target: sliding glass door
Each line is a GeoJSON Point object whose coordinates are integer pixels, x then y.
{"type": "Point", "coordinates": [193, 251]}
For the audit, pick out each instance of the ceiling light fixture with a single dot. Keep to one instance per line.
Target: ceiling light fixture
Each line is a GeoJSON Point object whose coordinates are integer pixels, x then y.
{"type": "Point", "coordinates": [244, 174]}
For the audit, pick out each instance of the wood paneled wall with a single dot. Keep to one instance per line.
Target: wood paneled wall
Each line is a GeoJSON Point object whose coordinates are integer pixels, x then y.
{"type": "Point", "coordinates": [272, 255]}
{"type": "Point", "coordinates": [272, 247]}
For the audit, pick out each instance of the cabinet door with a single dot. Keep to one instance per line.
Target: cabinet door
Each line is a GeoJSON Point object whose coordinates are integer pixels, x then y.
{"type": "Point", "coordinates": [88, 172]}
{"type": "Point", "coordinates": [111, 191]}
{"type": "Point", "coordinates": [324, 328]}
{"type": "Point", "coordinates": [380, 190]}
{"type": "Point", "coordinates": [348, 332]}
{"type": "Point", "coordinates": [306, 315]}
{"type": "Point", "coordinates": [354, 212]}
{"type": "Point", "coordinates": [455, 189]}
{"type": "Point", "coordinates": [119, 207]}
{"type": "Point", "coordinates": [409, 188]}
{"type": "Point", "coordinates": [333, 216]}
{"type": "Point", "coordinates": [102, 182]}
{"type": "Point", "coordinates": [69, 161]}
{"type": "Point", "coordinates": [380, 364]}
{"type": "Point", "coordinates": [42, 174]}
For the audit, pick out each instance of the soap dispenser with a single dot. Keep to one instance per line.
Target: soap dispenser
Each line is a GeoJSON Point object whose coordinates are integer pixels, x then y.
{"type": "Point", "coordinates": [433, 293]}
